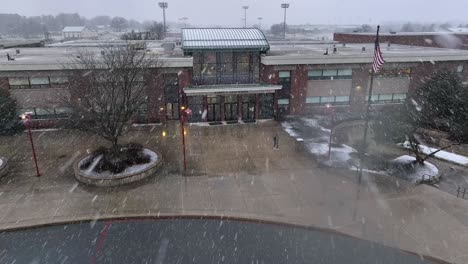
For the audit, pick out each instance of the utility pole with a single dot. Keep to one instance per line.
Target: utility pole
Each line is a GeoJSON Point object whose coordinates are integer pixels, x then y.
{"type": "Point", "coordinates": [285, 6]}
{"type": "Point", "coordinates": [245, 15]}
{"type": "Point", "coordinates": [164, 6]}
{"type": "Point", "coordinates": [260, 22]}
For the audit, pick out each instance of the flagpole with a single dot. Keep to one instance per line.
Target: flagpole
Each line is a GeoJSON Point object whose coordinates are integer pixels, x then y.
{"type": "Point", "coordinates": [369, 102]}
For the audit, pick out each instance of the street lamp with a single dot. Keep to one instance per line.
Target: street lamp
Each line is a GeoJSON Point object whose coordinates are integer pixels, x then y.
{"type": "Point", "coordinates": [26, 117]}
{"type": "Point", "coordinates": [331, 111]}
{"type": "Point", "coordinates": [285, 6]}
{"type": "Point", "coordinates": [184, 113]}
{"type": "Point", "coordinates": [184, 19]}
{"type": "Point", "coordinates": [245, 15]}
{"type": "Point", "coordinates": [164, 5]}
{"type": "Point", "coordinates": [260, 22]}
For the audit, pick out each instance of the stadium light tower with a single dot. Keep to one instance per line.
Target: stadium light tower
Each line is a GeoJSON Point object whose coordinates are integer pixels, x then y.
{"type": "Point", "coordinates": [260, 22]}
{"type": "Point", "coordinates": [245, 15]}
{"type": "Point", "coordinates": [285, 6]}
{"type": "Point", "coordinates": [164, 6]}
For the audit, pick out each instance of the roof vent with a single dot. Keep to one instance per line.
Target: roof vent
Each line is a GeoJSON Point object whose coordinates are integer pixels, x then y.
{"type": "Point", "coordinates": [18, 52]}
{"type": "Point", "coordinates": [344, 44]}
{"type": "Point", "coordinates": [393, 32]}
{"type": "Point", "coordinates": [363, 49]}
{"type": "Point", "coordinates": [326, 52]}
{"type": "Point", "coordinates": [334, 49]}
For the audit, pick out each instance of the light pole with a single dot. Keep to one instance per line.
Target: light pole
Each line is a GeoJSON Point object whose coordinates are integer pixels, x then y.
{"type": "Point", "coordinates": [184, 19]}
{"type": "Point", "coordinates": [285, 6]}
{"type": "Point", "coordinates": [164, 5]}
{"type": "Point", "coordinates": [260, 22]}
{"type": "Point", "coordinates": [184, 113]}
{"type": "Point", "coordinates": [26, 117]}
{"type": "Point", "coordinates": [332, 113]}
{"type": "Point", "coordinates": [245, 15]}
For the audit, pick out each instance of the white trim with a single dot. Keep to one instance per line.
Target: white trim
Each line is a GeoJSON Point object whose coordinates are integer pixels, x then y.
{"type": "Point", "coordinates": [231, 90]}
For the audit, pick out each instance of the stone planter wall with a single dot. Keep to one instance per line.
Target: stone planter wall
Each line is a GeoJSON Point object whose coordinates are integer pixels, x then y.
{"type": "Point", "coordinates": [116, 180]}
{"type": "Point", "coordinates": [3, 167]}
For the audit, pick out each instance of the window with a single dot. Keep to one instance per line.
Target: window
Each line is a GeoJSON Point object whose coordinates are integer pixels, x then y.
{"type": "Point", "coordinates": [285, 81]}
{"type": "Point", "coordinates": [19, 83]}
{"type": "Point", "coordinates": [283, 101]}
{"type": "Point", "coordinates": [39, 82]}
{"type": "Point", "coordinates": [397, 72]}
{"type": "Point", "coordinates": [58, 81]}
{"type": "Point", "coordinates": [330, 74]}
{"type": "Point", "coordinates": [388, 98]}
{"type": "Point", "coordinates": [46, 113]}
{"type": "Point", "coordinates": [321, 100]}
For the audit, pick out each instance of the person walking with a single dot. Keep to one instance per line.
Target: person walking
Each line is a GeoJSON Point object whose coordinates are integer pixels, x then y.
{"type": "Point", "coordinates": [276, 141]}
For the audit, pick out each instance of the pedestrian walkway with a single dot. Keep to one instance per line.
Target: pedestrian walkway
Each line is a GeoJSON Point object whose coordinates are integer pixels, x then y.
{"type": "Point", "coordinates": [233, 171]}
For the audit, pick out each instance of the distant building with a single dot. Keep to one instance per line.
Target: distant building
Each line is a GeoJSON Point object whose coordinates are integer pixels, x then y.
{"type": "Point", "coordinates": [78, 33]}
{"type": "Point", "coordinates": [449, 40]}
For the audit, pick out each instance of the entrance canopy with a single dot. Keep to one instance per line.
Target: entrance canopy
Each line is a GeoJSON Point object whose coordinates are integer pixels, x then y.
{"type": "Point", "coordinates": [197, 39]}
{"type": "Point", "coordinates": [230, 89]}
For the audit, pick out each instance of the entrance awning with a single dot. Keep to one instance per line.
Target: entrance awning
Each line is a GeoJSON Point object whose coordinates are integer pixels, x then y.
{"type": "Point", "coordinates": [230, 89]}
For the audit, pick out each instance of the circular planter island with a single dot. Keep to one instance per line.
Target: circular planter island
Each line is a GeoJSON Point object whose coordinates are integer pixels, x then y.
{"type": "Point", "coordinates": [129, 175]}
{"type": "Point", "coordinates": [3, 166]}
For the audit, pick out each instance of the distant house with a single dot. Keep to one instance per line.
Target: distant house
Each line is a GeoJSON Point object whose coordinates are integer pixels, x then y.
{"type": "Point", "coordinates": [78, 33]}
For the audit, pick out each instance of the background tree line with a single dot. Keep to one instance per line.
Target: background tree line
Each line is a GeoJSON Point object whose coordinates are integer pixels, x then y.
{"type": "Point", "coordinates": [33, 26]}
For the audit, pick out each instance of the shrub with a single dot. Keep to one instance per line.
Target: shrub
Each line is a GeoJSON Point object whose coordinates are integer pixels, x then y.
{"type": "Point", "coordinates": [116, 161]}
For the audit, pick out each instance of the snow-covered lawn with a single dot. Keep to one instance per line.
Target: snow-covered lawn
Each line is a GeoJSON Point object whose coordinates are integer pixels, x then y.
{"type": "Point", "coordinates": [1, 162]}
{"type": "Point", "coordinates": [316, 138]}
{"type": "Point", "coordinates": [405, 167]}
{"type": "Point", "coordinates": [130, 170]}
{"type": "Point", "coordinates": [443, 155]}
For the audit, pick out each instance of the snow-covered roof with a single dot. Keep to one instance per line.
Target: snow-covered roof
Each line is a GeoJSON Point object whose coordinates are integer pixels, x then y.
{"type": "Point", "coordinates": [223, 38]}
{"type": "Point", "coordinates": [459, 30]}
{"type": "Point", "coordinates": [73, 29]}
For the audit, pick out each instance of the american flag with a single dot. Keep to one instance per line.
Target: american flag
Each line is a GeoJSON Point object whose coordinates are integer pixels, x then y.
{"type": "Point", "coordinates": [378, 58]}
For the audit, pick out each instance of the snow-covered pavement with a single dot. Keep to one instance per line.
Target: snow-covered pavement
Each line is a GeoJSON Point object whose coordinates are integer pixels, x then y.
{"type": "Point", "coordinates": [316, 138]}
{"type": "Point", "coordinates": [443, 155]}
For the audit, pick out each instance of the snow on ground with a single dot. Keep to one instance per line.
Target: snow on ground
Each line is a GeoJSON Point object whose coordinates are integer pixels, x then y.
{"type": "Point", "coordinates": [405, 167]}
{"type": "Point", "coordinates": [316, 139]}
{"type": "Point", "coordinates": [443, 155]}
{"type": "Point", "coordinates": [1, 162]}
{"type": "Point", "coordinates": [130, 170]}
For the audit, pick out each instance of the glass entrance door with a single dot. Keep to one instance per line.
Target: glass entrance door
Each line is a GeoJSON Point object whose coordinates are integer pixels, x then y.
{"type": "Point", "coordinates": [213, 108]}
{"type": "Point", "coordinates": [248, 111]}
{"type": "Point", "coordinates": [230, 108]}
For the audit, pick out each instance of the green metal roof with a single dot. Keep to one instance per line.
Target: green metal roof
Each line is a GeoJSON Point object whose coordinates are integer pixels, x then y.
{"type": "Point", "coordinates": [223, 38]}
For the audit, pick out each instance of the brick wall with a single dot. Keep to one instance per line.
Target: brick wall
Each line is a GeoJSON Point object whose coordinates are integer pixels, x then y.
{"type": "Point", "coordinates": [4, 85]}
{"type": "Point", "coordinates": [297, 103]}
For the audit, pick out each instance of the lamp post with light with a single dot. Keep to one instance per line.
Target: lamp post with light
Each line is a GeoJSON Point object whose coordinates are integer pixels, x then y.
{"type": "Point", "coordinates": [245, 15]}
{"type": "Point", "coordinates": [332, 113]}
{"type": "Point", "coordinates": [164, 6]}
{"type": "Point", "coordinates": [26, 117]}
{"type": "Point", "coordinates": [184, 114]}
{"type": "Point", "coordinates": [285, 6]}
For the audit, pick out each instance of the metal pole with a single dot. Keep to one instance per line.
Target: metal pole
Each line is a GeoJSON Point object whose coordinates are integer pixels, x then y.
{"type": "Point", "coordinates": [366, 126]}
{"type": "Point", "coordinates": [164, 17]}
{"type": "Point", "coordinates": [38, 174]}
{"type": "Point", "coordinates": [245, 17]}
{"type": "Point", "coordinates": [183, 142]}
{"type": "Point", "coordinates": [284, 24]}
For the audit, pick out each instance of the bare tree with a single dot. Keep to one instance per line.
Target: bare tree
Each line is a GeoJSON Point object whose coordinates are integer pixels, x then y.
{"type": "Point", "coordinates": [108, 89]}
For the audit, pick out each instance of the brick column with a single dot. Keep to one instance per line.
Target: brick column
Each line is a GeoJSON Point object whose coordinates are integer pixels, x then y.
{"type": "Point", "coordinates": [155, 93]}
{"type": "Point", "coordinates": [4, 84]}
{"type": "Point", "coordinates": [359, 89]}
{"type": "Point", "coordinates": [257, 106]}
{"type": "Point", "coordinates": [297, 103]}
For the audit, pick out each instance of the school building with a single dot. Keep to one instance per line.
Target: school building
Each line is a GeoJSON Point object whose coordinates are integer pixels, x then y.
{"type": "Point", "coordinates": [237, 75]}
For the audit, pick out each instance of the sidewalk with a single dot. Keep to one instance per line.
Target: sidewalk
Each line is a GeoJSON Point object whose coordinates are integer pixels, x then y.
{"type": "Point", "coordinates": [235, 172]}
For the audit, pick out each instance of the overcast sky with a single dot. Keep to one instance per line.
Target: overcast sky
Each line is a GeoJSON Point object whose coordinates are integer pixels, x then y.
{"type": "Point", "coordinates": [229, 12]}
